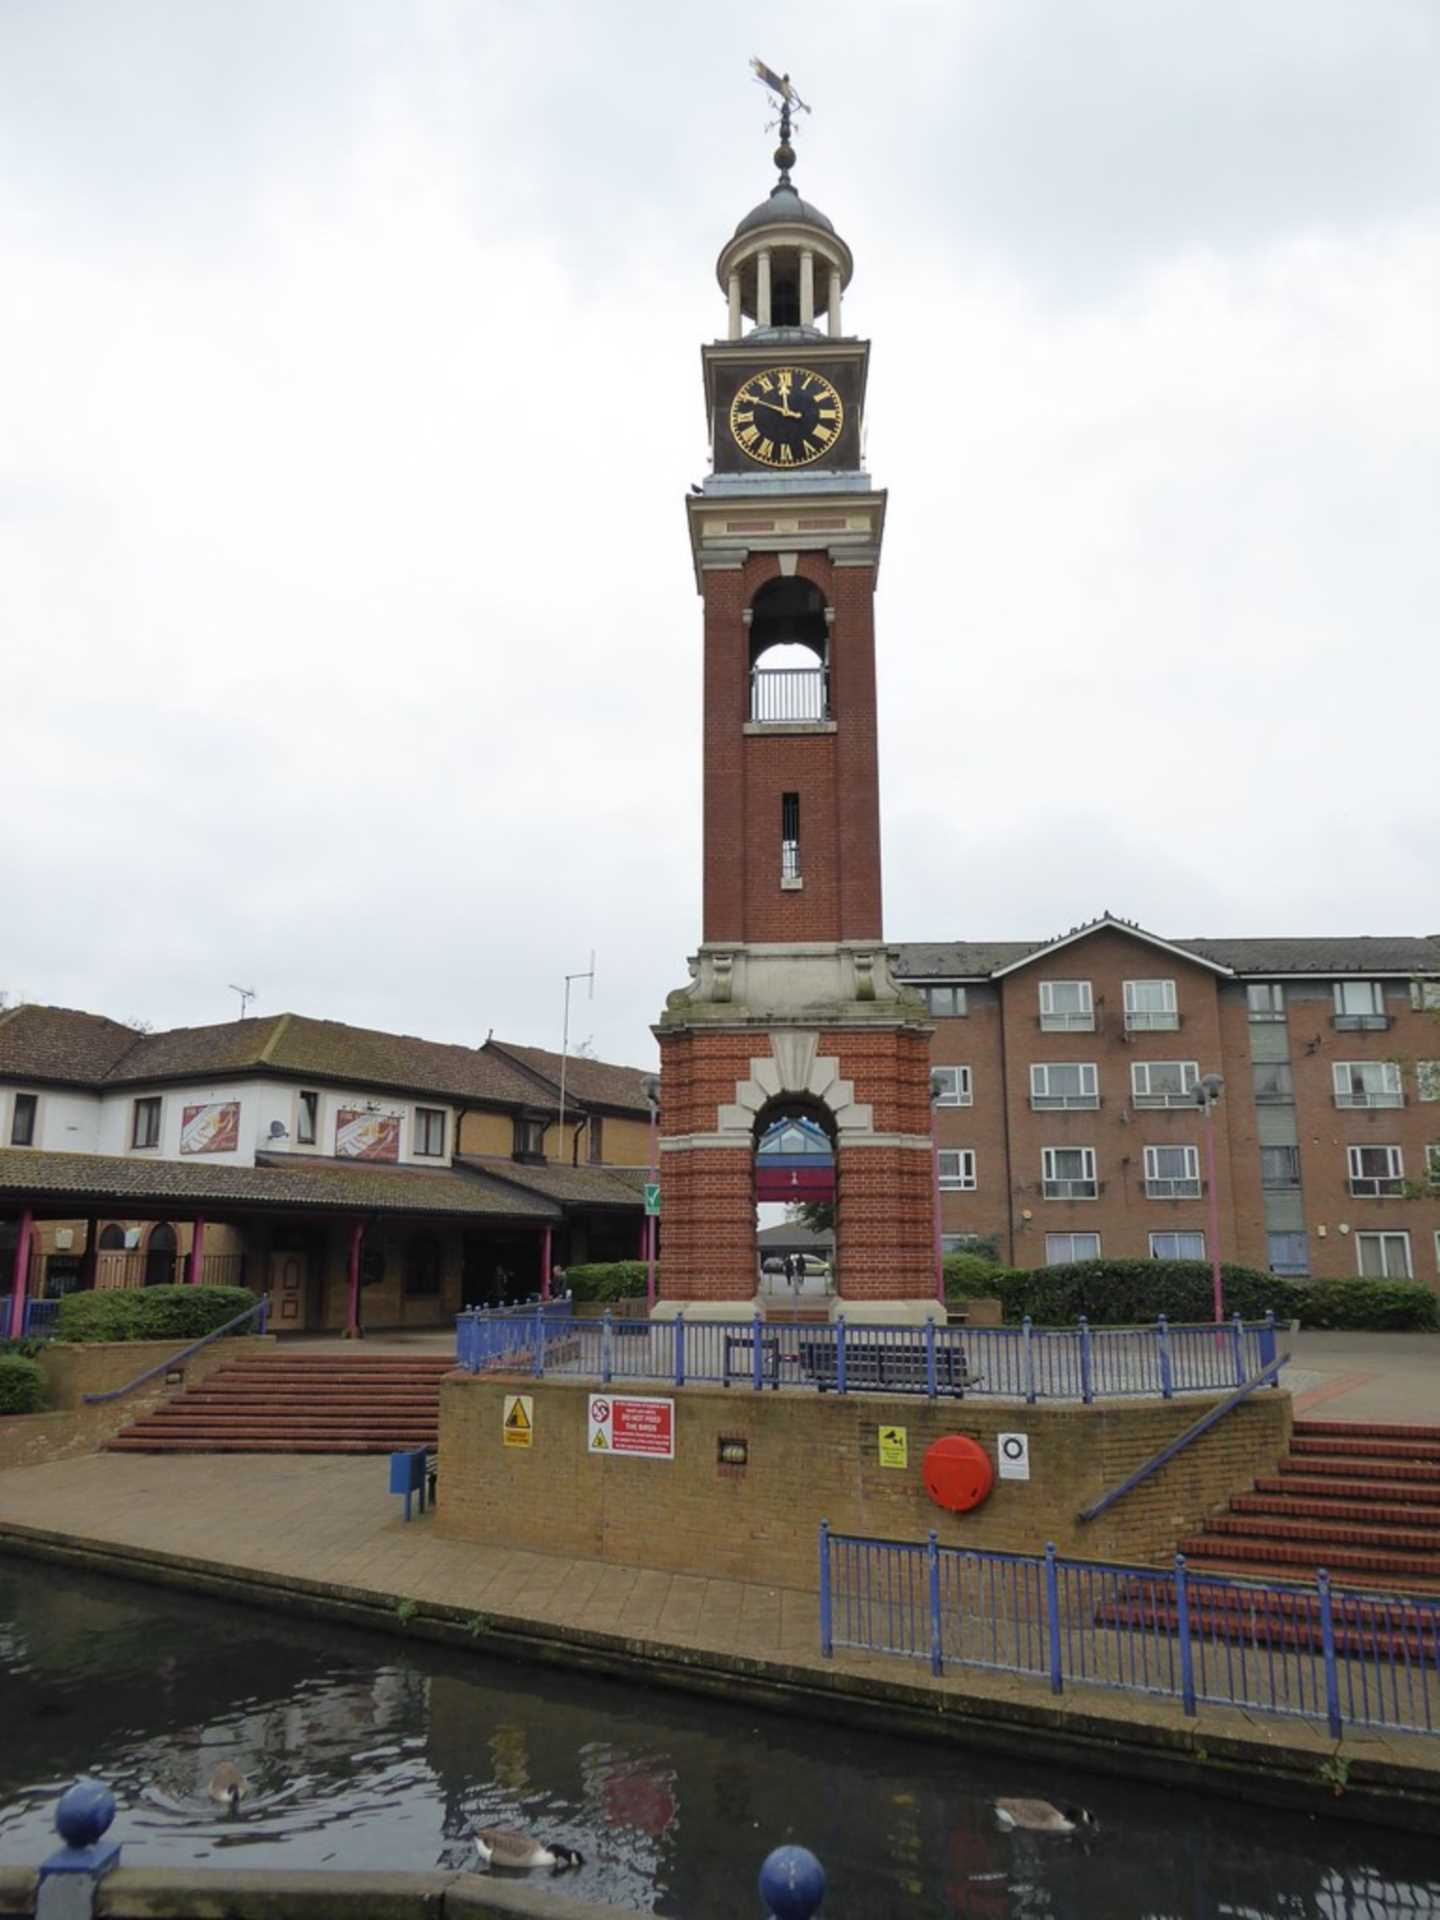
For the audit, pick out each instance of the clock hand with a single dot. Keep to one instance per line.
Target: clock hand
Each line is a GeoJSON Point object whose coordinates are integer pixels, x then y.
{"type": "Point", "coordinates": [788, 412]}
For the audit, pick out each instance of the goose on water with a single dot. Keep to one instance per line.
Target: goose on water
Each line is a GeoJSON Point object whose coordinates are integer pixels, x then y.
{"type": "Point", "coordinates": [508, 1847]}
{"type": "Point", "coordinates": [1041, 1816]}
{"type": "Point", "coordinates": [228, 1786]}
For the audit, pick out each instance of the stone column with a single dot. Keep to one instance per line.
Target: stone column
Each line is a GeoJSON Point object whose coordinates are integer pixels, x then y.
{"type": "Point", "coordinates": [762, 288]}
{"type": "Point", "coordinates": [734, 290]}
{"type": "Point", "coordinates": [807, 287]}
{"type": "Point", "coordinates": [834, 300]}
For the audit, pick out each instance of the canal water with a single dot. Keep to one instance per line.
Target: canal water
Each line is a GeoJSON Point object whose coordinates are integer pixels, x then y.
{"type": "Point", "coordinates": [364, 1752]}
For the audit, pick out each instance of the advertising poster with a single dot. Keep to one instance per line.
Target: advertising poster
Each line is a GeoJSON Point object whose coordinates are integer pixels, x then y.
{"type": "Point", "coordinates": [366, 1136]}
{"type": "Point", "coordinates": [212, 1129]}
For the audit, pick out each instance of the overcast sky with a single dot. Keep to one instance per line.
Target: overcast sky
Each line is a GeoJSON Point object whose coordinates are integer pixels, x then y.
{"type": "Point", "coordinates": [350, 643]}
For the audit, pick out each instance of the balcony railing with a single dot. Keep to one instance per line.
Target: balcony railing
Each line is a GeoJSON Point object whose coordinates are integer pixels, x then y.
{"type": "Point", "coordinates": [1055, 1102]}
{"type": "Point", "coordinates": [1371, 1097]}
{"type": "Point", "coordinates": [1366, 1186]}
{"type": "Point", "coordinates": [1071, 1189]}
{"type": "Point", "coordinates": [1176, 1098]}
{"type": "Point", "coordinates": [1360, 1022]}
{"type": "Point", "coordinates": [1076, 1020]}
{"type": "Point", "coordinates": [1275, 1093]}
{"type": "Point", "coordinates": [1186, 1189]}
{"type": "Point", "coordinates": [1151, 1020]}
{"type": "Point", "coordinates": [793, 695]}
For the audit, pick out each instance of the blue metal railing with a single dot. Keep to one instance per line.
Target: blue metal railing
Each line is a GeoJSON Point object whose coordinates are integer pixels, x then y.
{"type": "Point", "coordinates": [259, 1313]}
{"type": "Point", "coordinates": [1025, 1362]}
{"type": "Point", "coordinates": [1350, 1658]}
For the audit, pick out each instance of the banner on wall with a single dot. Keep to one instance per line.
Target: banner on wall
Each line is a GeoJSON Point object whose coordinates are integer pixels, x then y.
{"type": "Point", "coordinates": [210, 1129]}
{"type": "Point", "coordinates": [366, 1136]}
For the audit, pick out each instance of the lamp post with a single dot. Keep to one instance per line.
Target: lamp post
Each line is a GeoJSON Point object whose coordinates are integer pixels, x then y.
{"type": "Point", "coordinates": [1207, 1093]}
{"type": "Point", "coordinates": [651, 1089]}
{"type": "Point", "coordinates": [937, 1087]}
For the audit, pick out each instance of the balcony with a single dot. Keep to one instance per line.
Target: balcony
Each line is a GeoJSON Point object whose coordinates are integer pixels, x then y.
{"type": "Point", "coordinates": [1384, 1186]}
{"type": "Point", "coordinates": [1178, 1099]}
{"type": "Point", "coordinates": [1071, 1189]}
{"type": "Point", "coordinates": [1150, 1020]}
{"type": "Point", "coordinates": [1172, 1189]}
{"type": "Point", "coordinates": [789, 696]}
{"type": "Point", "coordinates": [1360, 1022]}
{"type": "Point", "coordinates": [1079, 1020]}
{"type": "Point", "coordinates": [1371, 1097]}
{"type": "Point", "coordinates": [1059, 1102]}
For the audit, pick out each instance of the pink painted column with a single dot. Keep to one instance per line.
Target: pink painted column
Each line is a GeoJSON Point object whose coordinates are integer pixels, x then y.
{"type": "Point", "coordinates": [89, 1266]}
{"type": "Point", "coordinates": [352, 1309]}
{"type": "Point", "coordinates": [938, 1243]}
{"type": "Point", "coordinates": [1212, 1210]}
{"type": "Point", "coordinates": [545, 1247]}
{"type": "Point", "coordinates": [652, 1095]}
{"type": "Point", "coordinates": [20, 1275]}
{"type": "Point", "coordinates": [195, 1262]}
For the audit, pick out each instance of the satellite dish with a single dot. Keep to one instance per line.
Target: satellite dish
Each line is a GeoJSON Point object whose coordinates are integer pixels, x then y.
{"type": "Point", "coordinates": [279, 1130]}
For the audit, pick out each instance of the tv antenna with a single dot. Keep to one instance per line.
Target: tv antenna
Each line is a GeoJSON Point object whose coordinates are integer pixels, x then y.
{"type": "Point", "coordinates": [247, 994]}
{"type": "Point", "coordinates": [570, 979]}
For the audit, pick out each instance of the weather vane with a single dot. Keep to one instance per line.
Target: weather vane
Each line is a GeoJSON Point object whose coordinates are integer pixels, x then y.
{"type": "Point", "coordinates": [779, 85]}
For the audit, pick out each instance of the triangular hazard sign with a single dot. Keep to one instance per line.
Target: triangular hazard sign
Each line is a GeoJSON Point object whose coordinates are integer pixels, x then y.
{"type": "Point", "coordinates": [598, 1444]}
{"type": "Point", "coordinates": [516, 1420]}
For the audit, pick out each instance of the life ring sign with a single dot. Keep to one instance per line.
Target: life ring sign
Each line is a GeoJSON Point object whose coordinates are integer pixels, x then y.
{"type": "Point", "coordinates": [1013, 1451]}
{"type": "Point", "coordinates": [957, 1472]}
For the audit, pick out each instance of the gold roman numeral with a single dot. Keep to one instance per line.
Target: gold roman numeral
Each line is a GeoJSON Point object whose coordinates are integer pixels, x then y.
{"type": "Point", "coordinates": [808, 451]}
{"type": "Point", "coordinates": [827, 413]}
{"type": "Point", "coordinates": [824, 435]}
{"type": "Point", "coordinates": [765, 383]}
{"type": "Point", "coordinates": [749, 436]}
{"type": "Point", "coordinates": [787, 456]}
{"type": "Point", "coordinates": [766, 449]}
{"type": "Point", "coordinates": [743, 417]}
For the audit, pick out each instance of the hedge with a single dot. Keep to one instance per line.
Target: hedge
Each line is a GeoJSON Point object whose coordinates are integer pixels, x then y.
{"type": "Point", "coordinates": [22, 1385]}
{"type": "Point", "coordinates": [607, 1280]}
{"type": "Point", "coordinates": [29, 1348]}
{"type": "Point", "coordinates": [149, 1313]}
{"type": "Point", "coordinates": [1123, 1293]}
{"type": "Point", "coordinates": [970, 1276]}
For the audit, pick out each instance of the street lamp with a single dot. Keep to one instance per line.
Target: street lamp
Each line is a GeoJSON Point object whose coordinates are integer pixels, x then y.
{"type": "Point", "coordinates": [1207, 1093]}
{"type": "Point", "coordinates": [650, 1087]}
{"type": "Point", "coordinates": [937, 1088]}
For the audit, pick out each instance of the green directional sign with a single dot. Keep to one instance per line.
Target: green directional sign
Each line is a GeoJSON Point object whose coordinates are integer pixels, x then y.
{"type": "Point", "coordinates": [652, 1196]}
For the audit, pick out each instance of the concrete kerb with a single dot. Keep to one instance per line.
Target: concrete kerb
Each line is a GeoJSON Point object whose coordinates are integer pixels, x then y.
{"type": "Point", "coordinates": [1280, 1763]}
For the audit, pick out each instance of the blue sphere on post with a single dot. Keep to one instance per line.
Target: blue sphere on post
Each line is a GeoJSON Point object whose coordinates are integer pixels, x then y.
{"type": "Point", "coordinates": [792, 1883]}
{"type": "Point", "coordinates": [84, 1813]}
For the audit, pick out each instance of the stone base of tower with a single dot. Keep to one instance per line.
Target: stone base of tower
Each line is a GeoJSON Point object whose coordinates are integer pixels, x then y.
{"type": "Point", "coordinates": [728, 1066]}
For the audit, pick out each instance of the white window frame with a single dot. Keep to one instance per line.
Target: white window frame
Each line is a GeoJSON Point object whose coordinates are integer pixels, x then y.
{"type": "Point", "coordinates": [1371, 1018]}
{"type": "Point", "coordinates": [1376, 1186]}
{"type": "Point", "coordinates": [1432, 1163]}
{"type": "Point", "coordinates": [1172, 1186]}
{"type": "Point", "coordinates": [1425, 996]}
{"type": "Point", "coordinates": [1055, 1019]}
{"type": "Point", "coordinates": [1143, 1096]}
{"type": "Point", "coordinates": [1273, 1010]}
{"type": "Point", "coordinates": [416, 1131]}
{"type": "Point", "coordinates": [962, 1094]}
{"type": "Point", "coordinates": [1051, 1260]}
{"type": "Point", "coordinates": [1391, 1093]}
{"type": "Point", "coordinates": [961, 1178]}
{"type": "Point", "coordinates": [1162, 1019]}
{"type": "Point", "coordinates": [1042, 1099]}
{"type": "Point", "coordinates": [1386, 1236]}
{"type": "Point", "coordinates": [1427, 1080]}
{"type": "Point", "coordinates": [1052, 1182]}
{"type": "Point", "coordinates": [1177, 1233]}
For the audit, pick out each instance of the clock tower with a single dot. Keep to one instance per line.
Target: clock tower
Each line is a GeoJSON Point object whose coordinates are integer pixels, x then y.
{"type": "Point", "coordinates": [794, 1065]}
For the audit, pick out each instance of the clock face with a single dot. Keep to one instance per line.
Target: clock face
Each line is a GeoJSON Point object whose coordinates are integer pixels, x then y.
{"type": "Point", "coordinates": [786, 417]}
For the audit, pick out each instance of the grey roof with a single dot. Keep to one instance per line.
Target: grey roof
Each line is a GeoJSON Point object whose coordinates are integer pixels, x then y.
{"type": "Point", "coordinates": [1325, 954]}
{"type": "Point", "coordinates": [783, 206]}
{"type": "Point", "coordinates": [968, 959]}
{"type": "Point", "coordinates": [570, 1186]}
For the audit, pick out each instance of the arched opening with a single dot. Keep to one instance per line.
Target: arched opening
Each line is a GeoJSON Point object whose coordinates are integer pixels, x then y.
{"type": "Point", "coordinates": [795, 1180]}
{"type": "Point", "coordinates": [160, 1251]}
{"type": "Point", "coordinates": [112, 1239]}
{"type": "Point", "coordinates": [789, 653]}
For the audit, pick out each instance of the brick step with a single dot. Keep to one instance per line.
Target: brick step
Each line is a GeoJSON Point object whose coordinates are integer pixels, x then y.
{"type": "Point", "coordinates": [1372, 1430]}
{"type": "Point", "coordinates": [208, 1396]}
{"type": "Point", "coordinates": [1416, 1493]}
{"type": "Point", "coordinates": [1386, 1538]}
{"type": "Point", "coordinates": [179, 1423]}
{"type": "Point", "coordinates": [1413, 1637]}
{"type": "Point", "coordinates": [338, 1376]}
{"type": "Point", "coordinates": [1350, 1469]}
{"type": "Point", "coordinates": [1342, 1580]}
{"type": "Point", "coordinates": [123, 1444]}
{"type": "Point", "coordinates": [1391, 1613]}
{"type": "Point", "coordinates": [1236, 1553]}
{"type": "Point", "coordinates": [1359, 1512]}
{"type": "Point", "coordinates": [1337, 1446]}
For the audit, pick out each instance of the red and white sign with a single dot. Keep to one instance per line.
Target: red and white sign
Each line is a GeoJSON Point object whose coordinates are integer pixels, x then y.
{"type": "Point", "coordinates": [632, 1424]}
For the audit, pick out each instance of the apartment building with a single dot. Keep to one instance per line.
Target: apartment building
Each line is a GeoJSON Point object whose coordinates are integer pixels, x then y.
{"type": "Point", "coordinates": [1069, 1124]}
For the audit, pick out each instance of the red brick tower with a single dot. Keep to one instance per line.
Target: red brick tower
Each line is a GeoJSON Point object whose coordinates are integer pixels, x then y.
{"type": "Point", "coordinates": [793, 1009]}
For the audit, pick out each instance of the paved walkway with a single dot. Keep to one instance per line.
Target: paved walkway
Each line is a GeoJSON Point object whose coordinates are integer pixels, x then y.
{"type": "Point", "coordinates": [328, 1522]}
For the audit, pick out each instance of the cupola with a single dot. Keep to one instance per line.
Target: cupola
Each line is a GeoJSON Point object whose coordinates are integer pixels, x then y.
{"type": "Point", "coordinates": [785, 264]}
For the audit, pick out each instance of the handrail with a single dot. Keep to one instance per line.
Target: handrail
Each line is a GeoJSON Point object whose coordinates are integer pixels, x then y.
{"type": "Point", "coordinates": [261, 1306]}
{"type": "Point", "coordinates": [1178, 1445]}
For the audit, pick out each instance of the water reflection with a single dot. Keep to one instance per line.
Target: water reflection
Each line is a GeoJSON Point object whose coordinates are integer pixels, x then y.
{"type": "Point", "coordinates": [361, 1752]}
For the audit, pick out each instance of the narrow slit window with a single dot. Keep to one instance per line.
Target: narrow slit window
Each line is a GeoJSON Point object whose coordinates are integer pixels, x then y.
{"type": "Point", "coordinates": [789, 836]}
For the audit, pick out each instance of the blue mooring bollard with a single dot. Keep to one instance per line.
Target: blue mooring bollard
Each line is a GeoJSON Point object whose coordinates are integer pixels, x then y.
{"type": "Point", "coordinates": [71, 1875]}
{"type": "Point", "coordinates": [792, 1883]}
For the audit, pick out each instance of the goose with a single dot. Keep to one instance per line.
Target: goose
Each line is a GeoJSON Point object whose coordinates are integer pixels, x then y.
{"type": "Point", "coordinates": [508, 1847]}
{"type": "Point", "coordinates": [1041, 1816]}
{"type": "Point", "coordinates": [228, 1786]}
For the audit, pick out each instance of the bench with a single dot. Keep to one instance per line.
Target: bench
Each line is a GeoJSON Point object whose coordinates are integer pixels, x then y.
{"type": "Point", "coordinates": [886, 1367]}
{"type": "Point", "coordinates": [744, 1344]}
{"type": "Point", "coordinates": [411, 1472]}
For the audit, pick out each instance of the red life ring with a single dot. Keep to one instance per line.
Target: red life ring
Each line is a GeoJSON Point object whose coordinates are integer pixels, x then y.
{"type": "Point", "coordinates": [957, 1472]}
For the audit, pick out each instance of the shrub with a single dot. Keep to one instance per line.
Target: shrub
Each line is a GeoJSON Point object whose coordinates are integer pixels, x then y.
{"type": "Point", "coordinates": [1398, 1305]}
{"type": "Point", "coordinates": [22, 1385]}
{"type": "Point", "coordinates": [607, 1280]}
{"type": "Point", "coordinates": [150, 1313]}
{"type": "Point", "coordinates": [28, 1349]}
{"type": "Point", "coordinates": [1126, 1293]}
{"type": "Point", "coordinates": [969, 1276]}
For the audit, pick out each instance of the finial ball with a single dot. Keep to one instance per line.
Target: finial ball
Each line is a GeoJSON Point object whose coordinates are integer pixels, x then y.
{"type": "Point", "coordinates": [784, 156]}
{"type": "Point", "coordinates": [792, 1883]}
{"type": "Point", "coordinates": [84, 1813]}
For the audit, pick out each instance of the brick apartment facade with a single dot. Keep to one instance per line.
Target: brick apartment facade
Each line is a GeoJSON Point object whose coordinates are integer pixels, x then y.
{"type": "Point", "coordinates": [1070, 1127]}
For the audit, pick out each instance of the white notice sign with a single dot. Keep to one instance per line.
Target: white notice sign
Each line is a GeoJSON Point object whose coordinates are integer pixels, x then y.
{"type": "Point", "coordinates": [1014, 1453]}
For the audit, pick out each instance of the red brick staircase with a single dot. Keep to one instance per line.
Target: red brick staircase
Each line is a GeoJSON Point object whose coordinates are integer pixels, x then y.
{"type": "Point", "coordinates": [312, 1403]}
{"type": "Point", "coordinates": [1362, 1501]}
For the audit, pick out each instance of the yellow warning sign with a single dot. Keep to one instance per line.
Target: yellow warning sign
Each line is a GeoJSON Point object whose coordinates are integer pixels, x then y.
{"type": "Point", "coordinates": [518, 1426]}
{"type": "Point", "coordinates": [599, 1444]}
{"type": "Point", "coordinates": [894, 1447]}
